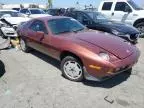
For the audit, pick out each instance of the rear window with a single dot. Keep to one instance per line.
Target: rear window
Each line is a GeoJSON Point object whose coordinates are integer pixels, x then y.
{"type": "Point", "coordinates": [64, 25]}
{"type": "Point", "coordinates": [37, 11]}
{"type": "Point", "coordinates": [24, 11]}
{"type": "Point", "coordinates": [11, 13]}
{"type": "Point", "coordinates": [107, 6]}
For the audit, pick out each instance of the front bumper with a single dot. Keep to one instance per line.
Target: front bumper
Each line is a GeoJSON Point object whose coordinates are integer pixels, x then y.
{"type": "Point", "coordinates": [116, 67]}
{"type": "Point", "coordinates": [133, 38]}
{"type": "Point", "coordinates": [8, 32]}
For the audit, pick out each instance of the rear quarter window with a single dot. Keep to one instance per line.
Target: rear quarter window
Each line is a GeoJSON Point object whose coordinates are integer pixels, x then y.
{"type": "Point", "coordinates": [107, 6]}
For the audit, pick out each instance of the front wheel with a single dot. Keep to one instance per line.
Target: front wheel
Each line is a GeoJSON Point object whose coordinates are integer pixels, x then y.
{"type": "Point", "coordinates": [140, 27]}
{"type": "Point", "coordinates": [72, 69]}
{"type": "Point", "coordinates": [23, 45]}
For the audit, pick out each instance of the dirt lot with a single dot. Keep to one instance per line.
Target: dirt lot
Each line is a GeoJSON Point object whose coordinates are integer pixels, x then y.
{"type": "Point", "coordinates": [34, 80]}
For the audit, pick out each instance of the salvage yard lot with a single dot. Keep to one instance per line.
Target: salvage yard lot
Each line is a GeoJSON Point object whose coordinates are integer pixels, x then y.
{"type": "Point", "coordinates": [34, 80]}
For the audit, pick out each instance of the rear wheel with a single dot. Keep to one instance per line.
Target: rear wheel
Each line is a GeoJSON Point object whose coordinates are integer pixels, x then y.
{"type": "Point", "coordinates": [72, 69]}
{"type": "Point", "coordinates": [23, 45]}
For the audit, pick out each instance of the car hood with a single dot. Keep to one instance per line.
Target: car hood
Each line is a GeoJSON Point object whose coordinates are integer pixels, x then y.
{"type": "Point", "coordinates": [139, 13]}
{"type": "Point", "coordinates": [16, 20]}
{"type": "Point", "coordinates": [112, 44]}
{"type": "Point", "coordinates": [121, 27]}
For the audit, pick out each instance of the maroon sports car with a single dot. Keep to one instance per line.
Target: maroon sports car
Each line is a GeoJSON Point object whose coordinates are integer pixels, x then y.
{"type": "Point", "coordinates": [83, 53]}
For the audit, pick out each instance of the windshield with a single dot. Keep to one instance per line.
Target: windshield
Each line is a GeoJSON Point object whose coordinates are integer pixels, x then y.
{"type": "Point", "coordinates": [37, 11]}
{"type": "Point", "coordinates": [134, 5]}
{"type": "Point", "coordinates": [97, 17]}
{"type": "Point", "coordinates": [11, 13]}
{"type": "Point", "coordinates": [53, 11]}
{"type": "Point", "coordinates": [64, 25]}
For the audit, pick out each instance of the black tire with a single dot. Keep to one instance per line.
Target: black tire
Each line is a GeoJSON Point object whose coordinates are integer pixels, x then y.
{"type": "Point", "coordinates": [24, 46]}
{"type": "Point", "coordinates": [129, 71]}
{"type": "Point", "coordinates": [138, 26]}
{"type": "Point", "coordinates": [79, 65]}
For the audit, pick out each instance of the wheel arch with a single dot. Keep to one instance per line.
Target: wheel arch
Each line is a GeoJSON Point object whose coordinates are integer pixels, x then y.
{"type": "Point", "coordinates": [68, 53]}
{"type": "Point", "coordinates": [138, 21]}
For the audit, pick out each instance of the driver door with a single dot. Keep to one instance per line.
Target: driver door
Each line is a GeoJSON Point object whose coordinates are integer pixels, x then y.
{"type": "Point", "coordinates": [36, 33]}
{"type": "Point", "coordinates": [84, 19]}
{"type": "Point", "coordinates": [119, 13]}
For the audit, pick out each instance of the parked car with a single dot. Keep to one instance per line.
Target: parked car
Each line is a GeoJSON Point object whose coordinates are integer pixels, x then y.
{"type": "Point", "coordinates": [10, 13]}
{"type": "Point", "coordinates": [97, 21]}
{"type": "Point", "coordinates": [17, 9]}
{"type": "Point", "coordinates": [83, 53]}
{"type": "Point", "coordinates": [126, 11]}
{"type": "Point", "coordinates": [33, 12]}
{"type": "Point", "coordinates": [9, 20]}
{"type": "Point", "coordinates": [53, 12]}
{"type": "Point", "coordinates": [56, 11]}
{"type": "Point", "coordinates": [7, 30]}
{"type": "Point", "coordinates": [13, 17]}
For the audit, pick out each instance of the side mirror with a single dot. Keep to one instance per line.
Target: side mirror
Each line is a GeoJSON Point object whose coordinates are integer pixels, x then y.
{"type": "Point", "coordinates": [40, 35]}
{"type": "Point", "coordinates": [128, 9]}
{"type": "Point", "coordinates": [27, 13]}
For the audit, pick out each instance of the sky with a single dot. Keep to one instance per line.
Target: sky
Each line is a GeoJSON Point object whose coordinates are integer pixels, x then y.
{"type": "Point", "coordinates": [61, 3]}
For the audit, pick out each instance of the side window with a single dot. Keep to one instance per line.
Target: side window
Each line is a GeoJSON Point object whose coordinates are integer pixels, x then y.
{"type": "Point", "coordinates": [38, 26]}
{"type": "Point", "coordinates": [71, 14]}
{"type": "Point", "coordinates": [82, 17]}
{"type": "Point", "coordinates": [23, 11]}
{"type": "Point", "coordinates": [121, 6]}
{"type": "Point", "coordinates": [107, 6]}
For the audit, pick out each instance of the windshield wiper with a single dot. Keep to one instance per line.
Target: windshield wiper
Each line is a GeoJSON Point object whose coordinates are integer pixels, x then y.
{"type": "Point", "coordinates": [66, 31]}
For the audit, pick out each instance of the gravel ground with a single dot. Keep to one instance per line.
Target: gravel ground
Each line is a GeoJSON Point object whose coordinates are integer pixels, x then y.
{"type": "Point", "coordinates": [34, 80]}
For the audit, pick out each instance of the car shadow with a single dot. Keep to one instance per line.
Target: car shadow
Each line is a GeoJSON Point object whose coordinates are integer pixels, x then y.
{"type": "Point", "coordinates": [110, 83]}
{"type": "Point", "coordinates": [105, 84]}
{"type": "Point", "coordinates": [46, 58]}
{"type": "Point", "coordinates": [2, 69]}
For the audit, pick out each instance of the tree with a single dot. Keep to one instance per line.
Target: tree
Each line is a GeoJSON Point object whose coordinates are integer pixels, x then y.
{"type": "Point", "coordinates": [50, 3]}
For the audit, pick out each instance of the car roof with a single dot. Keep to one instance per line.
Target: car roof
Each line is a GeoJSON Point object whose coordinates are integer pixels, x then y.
{"type": "Point", "coordinates": [4, 10]}
{"type": "Point", "coordinates": [53, 8]}
{"type": "Point", "coordinates": [46, 18]}
{"type": "Point", "coordinates": [32, 8]}
{"type": "Point", "coordinates": [85, 11]}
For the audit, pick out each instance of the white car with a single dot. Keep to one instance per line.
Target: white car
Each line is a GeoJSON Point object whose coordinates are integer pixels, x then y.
{"type": "Point", "coordinates": [125, 11]}
{"type": "Point", "coordinates": [9, 20]}
{"type": "Point", "coordinates": [33, 12]}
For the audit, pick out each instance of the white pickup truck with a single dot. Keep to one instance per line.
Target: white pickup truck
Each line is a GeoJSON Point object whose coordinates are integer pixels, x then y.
{"type": "Point", "coordinates": [125, 11]}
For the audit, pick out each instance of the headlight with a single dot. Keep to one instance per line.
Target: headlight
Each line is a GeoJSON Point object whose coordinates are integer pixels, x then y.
{"type": "Point", "coordinates": [104, 56]}
{"type": "Point", "coordinates": [115, 32]}
{"type": "Point", "coordinates": [8, 30]}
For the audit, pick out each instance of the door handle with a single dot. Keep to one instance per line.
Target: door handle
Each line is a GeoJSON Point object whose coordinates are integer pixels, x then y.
{"type": "Point", "coordinates": [113, 14]}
